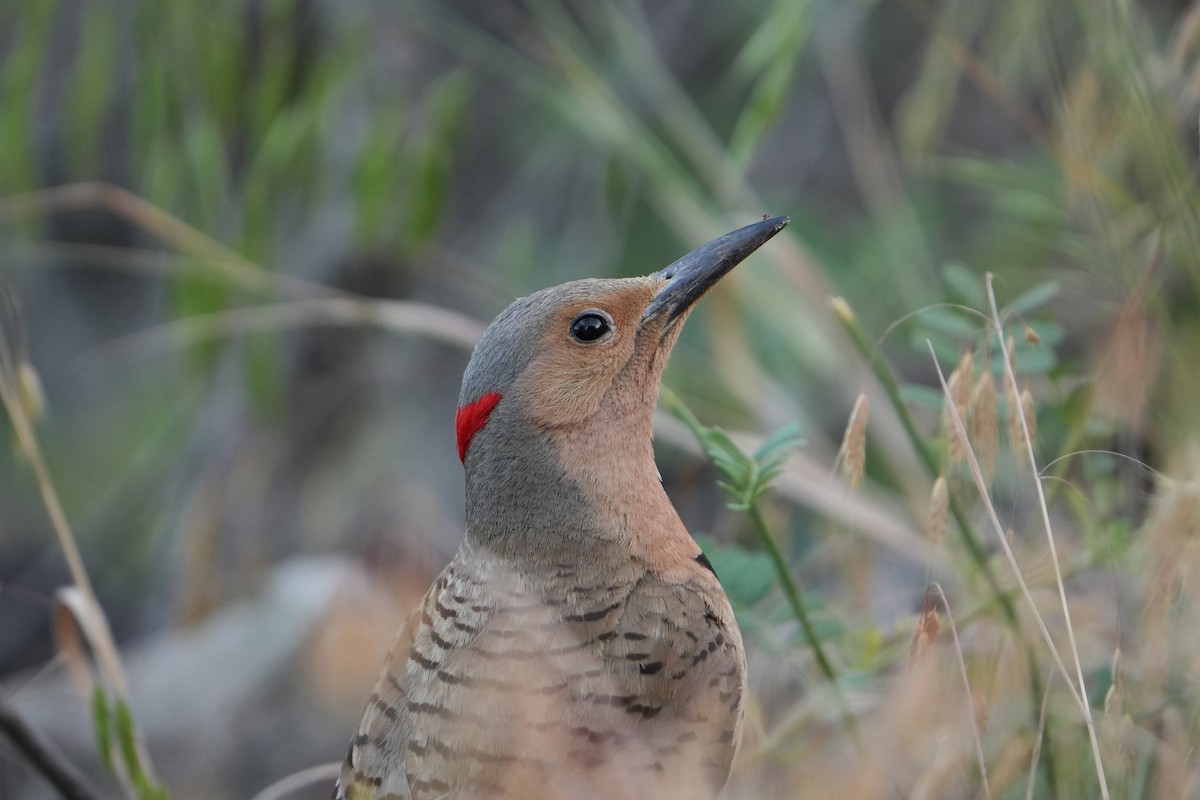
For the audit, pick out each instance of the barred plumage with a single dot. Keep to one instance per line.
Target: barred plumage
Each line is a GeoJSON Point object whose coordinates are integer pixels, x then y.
{"type": "Point", "coordinates": [579, 646]}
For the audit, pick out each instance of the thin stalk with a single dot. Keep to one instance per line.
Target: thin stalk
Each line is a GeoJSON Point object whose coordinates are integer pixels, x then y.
{"type": "Point", "coordinates": [962, 669]}
{"type": "Point", "coordinates": [892, 388]}
{"type": "Point", "coordinates": [974, 547]}
{"type": "Point", "coordinates": [45, 758]}
{"type": "Point", "coordinates": [102, 642]}
{"type": "Point", "coordinates": [747, 501]}
{"type": "Point", "coordinates": [1085, 709]}
{"type": "Point", "coordinates": [791, 591]}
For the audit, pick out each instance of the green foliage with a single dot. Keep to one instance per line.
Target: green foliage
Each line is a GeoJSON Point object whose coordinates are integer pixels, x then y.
{"type": "Point", "coordinates": [102, 726]}
{"type": "Point", "coordinates": [749, 475]}
{"type": "Point", "coordinates": [745, 574]}
{"type": "Point", "coordinates": [18, 76]}
{"type": "Point", "coordinates": [147, 787]}
{"type": "Point", "coordinates": [433, 159]}
{"type": "Point", "coordinates": [114, 723]}
{"type": "Point", "coordinates": [92, 90]}
{"type": "Point", "coordinates": [768, 62]}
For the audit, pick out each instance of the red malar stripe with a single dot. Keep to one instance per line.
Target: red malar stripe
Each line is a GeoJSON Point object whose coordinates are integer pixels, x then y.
{"type": "Point", "coordinates": [470, 419]}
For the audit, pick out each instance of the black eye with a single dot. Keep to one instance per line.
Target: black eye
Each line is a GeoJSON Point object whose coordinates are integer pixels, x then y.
{"type": "Point", "coordinates": [590, 326]}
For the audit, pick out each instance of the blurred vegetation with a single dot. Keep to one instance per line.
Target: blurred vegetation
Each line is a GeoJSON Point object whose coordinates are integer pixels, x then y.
{"type": "Point", "coordinates": [248, 244]}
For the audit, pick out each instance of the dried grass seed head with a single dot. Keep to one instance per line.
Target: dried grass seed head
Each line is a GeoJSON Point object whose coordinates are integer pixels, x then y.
{"type": "Point", "coordinates": [939, 509]}
{"type": "Point", "coordinates": [853, 453]}
{"type": "Point", "coordinates": [985, 421]}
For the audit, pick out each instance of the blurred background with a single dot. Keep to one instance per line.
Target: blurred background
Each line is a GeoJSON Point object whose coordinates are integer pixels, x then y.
{"type": "Point", "coordinates": [246, 245]}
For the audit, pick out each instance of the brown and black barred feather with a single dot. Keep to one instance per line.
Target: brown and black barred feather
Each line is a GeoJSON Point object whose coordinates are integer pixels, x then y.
{"type": "Point", "coordinates": [630, 686]}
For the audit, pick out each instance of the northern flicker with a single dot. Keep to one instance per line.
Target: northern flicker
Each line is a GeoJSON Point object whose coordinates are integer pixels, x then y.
{"type": "Point", "coordinates": [579, 645]}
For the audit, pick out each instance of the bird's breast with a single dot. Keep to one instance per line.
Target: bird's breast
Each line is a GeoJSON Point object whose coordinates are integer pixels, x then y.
{"type": "Point", "coordinates": [584, 685]}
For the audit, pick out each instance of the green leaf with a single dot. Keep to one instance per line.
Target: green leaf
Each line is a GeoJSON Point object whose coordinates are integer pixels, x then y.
{"type": "Point", "coordinates": [779, 443]}
{"type": "Point", "coordinates": [27, 49]}
{"type": "Point", "coordinates": [126, 739]}
{"type": "Point", "coordinates": [264, 373]}
{"type": "Point", "coordinates": [378, 177]}
{"type": "Point", "coordinates": [1030, 359]}
{"type": "Point", "coordinates": [923, 396]}
{"type": "Point", "coordinates": [1037, 296]}
{"type": "Point", "coordinates": [961, 283]}
{"type": "Point", "coordinates": [749, 476]}
{"type": "Point", "coordinates": [207, 164]}
{"type": "Point", "coordinates": [618, 186]}
{"type": "Point", "coordinates": [91, 89]}
{"type": "Point", "coordinates": [1099, 683]}
{"type": "Point", "coordinates": [746, 575]}
{"type": "Point", "coordinates": [952, 322]}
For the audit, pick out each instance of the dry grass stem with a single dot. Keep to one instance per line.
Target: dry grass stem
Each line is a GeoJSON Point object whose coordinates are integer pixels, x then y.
{"type": "Point", "coordinates": [1016, 434]}
{"type": "Point", "coordinates": [960, 382]}
{"type": "Point", "coordinates": [853, 453]}
{"type": "Point", "coordinates": [81, 598]}
{"type": "Point", "coordinates": [981, 710]}
{"type": "Point", "coordinates": [1029, 417]}
{"type": "Point", "coordinates": [29, 389]}
{"type": "Point", "coordinates": [936, 590]}
{"type": "Point", "coordinates": [965, 370]}
{"type": "Point", "coordinates": [1062, 592]}
{"type": "Point", "coordinates": [28, 446]}
{"type": "Point", "coordinates": [1022, 421]}
{"type": "Point", "coordinates": [939, 509]}
{"type": "Point", "coordinates": [223, 261]}
{"type": "Point", "coordinates": [1012, 401]}
{"type": "Point", "coordinates": [322, 774]}
{"type": "Point", "coordinates": [1115, 696]}
{"type": "Point", "coordinates": [1077, 690]}
{"type": "Point", "coordinates": [400, 316]}
{"type": "Point", "coordinates": [977, 473]}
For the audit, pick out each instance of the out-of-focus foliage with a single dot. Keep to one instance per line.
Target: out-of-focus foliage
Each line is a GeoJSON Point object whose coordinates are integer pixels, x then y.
{"type": "Point", "coordinates": [202, 202]}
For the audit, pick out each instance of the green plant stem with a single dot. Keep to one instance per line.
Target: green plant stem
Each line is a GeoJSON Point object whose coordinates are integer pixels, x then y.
{"type": "Point", "coordinates": [974, 547]}
{"type": "Point", "coordinates": [792, 592]}
{"type": "Point", "coordinates": [892, 388]}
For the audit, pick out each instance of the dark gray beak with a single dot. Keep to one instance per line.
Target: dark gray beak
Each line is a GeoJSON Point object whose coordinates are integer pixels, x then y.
{"type": "Point", "coordinates": [691, 276]}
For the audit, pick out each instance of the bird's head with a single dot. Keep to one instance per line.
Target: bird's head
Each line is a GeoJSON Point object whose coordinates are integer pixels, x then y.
{"type": "Point", "coordinates": [583, 357]}
{"type": "Point", "coordinates": [556, 357]}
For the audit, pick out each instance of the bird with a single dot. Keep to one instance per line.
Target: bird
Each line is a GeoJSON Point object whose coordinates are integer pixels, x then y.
{"type": "Point", "coordinates": [579, 644]}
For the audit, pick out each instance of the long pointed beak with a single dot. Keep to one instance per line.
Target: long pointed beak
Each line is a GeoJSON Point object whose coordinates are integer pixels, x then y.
{"type": "Point", "coordinates": [691, 276]}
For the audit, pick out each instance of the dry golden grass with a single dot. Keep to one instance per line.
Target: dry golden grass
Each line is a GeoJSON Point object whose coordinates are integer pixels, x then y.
{"type": "Point", "coordinates": [958, 397]}
{"type": "Point", "coordinates": [984, 426]}
{"type": "Point", "coordinates": [939, 509]}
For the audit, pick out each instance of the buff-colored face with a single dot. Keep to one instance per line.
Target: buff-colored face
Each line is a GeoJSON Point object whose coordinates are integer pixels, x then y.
{"type": "Point", "coordinates": [554, 359]}
{"type": "Point", "coordinates": [596, 348]}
